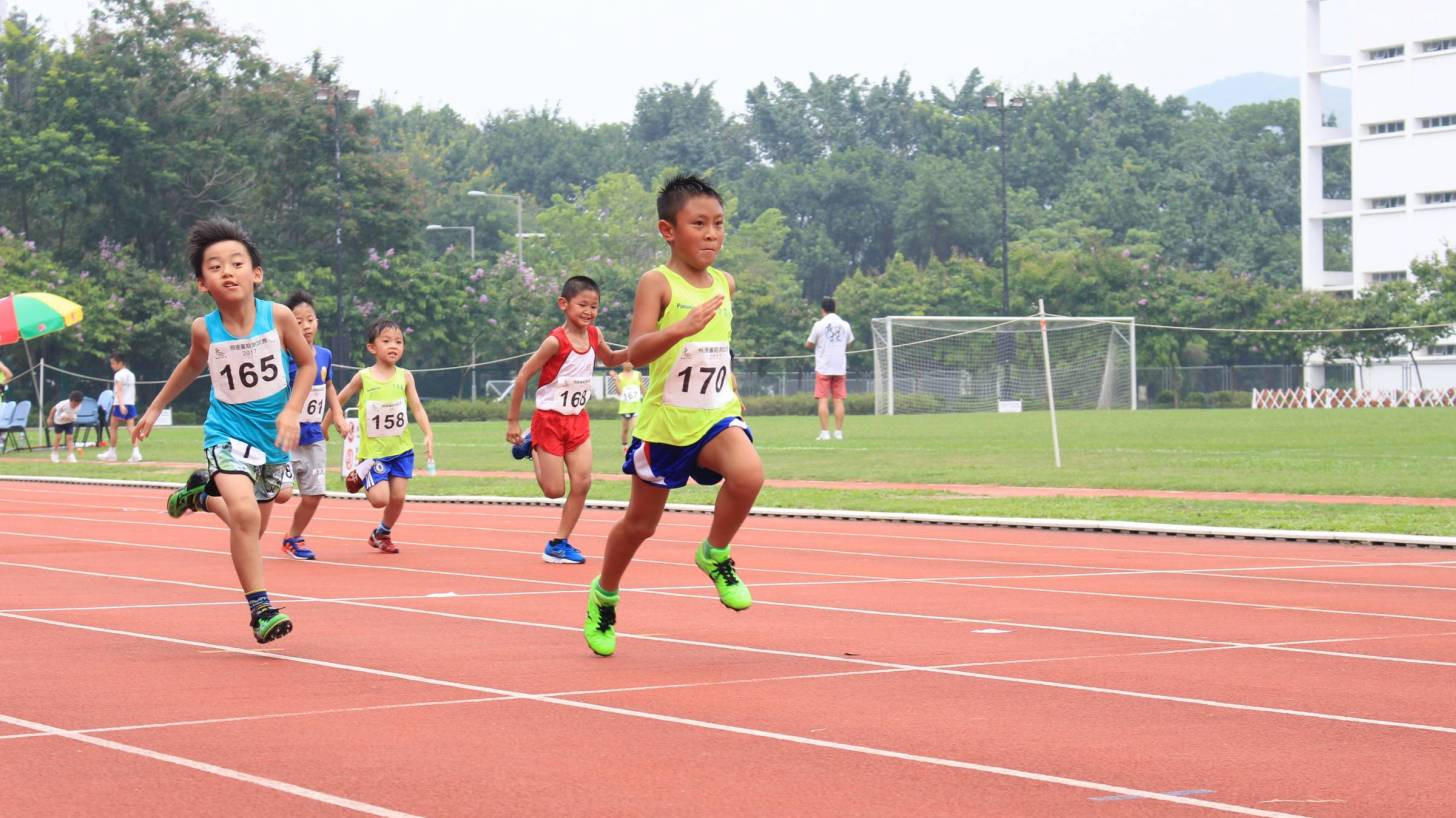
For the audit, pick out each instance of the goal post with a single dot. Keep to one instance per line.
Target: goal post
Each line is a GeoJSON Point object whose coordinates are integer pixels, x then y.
{"type": "Point", "coordinates": [986, 363]}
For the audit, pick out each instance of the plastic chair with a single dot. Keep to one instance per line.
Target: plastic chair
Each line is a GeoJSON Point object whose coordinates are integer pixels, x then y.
{"type": "Point", "coordinates": [104, 402]}
{"type": "Point", "coordinates": [88, 420]}
{"type": "Point", "coordinates": [19, 419]}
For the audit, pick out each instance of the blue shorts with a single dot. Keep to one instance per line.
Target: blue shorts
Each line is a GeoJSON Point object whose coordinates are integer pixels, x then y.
{"type": "Point", "coordinates": [400, 465]}
{"type": "Point", "coordinates": [671, 466]}
{"type": "Point", "coordinates": [127, 412]}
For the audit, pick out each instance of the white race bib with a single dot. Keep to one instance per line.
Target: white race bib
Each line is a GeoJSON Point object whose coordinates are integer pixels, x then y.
{"type": "Point", "coordinates": [385, 418]}
{"type": "Point", "coordinates": [313, 408]}
{"type": "Point", "coordinates": [701, 377]}
{"type": "Point", "coordinates": [247, 453]}
{"type": "Point", "coordinates": [247, 370]}
{"type": "Point", "coordinates": [632, 394]}
{"type": "Point", "coordinates": [567, 396]}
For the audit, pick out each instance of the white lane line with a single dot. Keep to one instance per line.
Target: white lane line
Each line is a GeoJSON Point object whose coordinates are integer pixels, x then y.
{"type": "Point", "coordinates": [210, 769]}
{"type": "Point", "coordinates": [658, 717]}
{"type": "Point", "coordinates": [953, 672]}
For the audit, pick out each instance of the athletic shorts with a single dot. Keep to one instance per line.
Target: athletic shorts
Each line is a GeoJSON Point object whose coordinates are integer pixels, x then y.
{"type": "Point", "coordinates": [127, 412]}
{"type": "Point", "coordinates": [829, 386]}
{"type": "Point", "coordinates": [63, 428]}
{"type": "Point", "coordinates": [399, 465]}
{"type": "Point", "coordinates": [310, 463]}
{"type": "Point", "coordinates": [559, 434]}
{"type": "Point", "coordinates": [628, 415]}
{"type": "Point", "coordinates": [671, 466]}
{"type": "Point", "coordinates": [268, 478]}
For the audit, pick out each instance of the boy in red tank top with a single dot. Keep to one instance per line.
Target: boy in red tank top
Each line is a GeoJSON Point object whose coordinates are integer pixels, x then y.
{"type": "Point", "coordinates": [559, 441]}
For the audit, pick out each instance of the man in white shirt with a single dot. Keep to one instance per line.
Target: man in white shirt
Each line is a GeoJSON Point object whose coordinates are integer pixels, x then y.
{"type": "Point", "coordinates": [829, 339]}
{"type": "Point", "coordinates": [123, 407]}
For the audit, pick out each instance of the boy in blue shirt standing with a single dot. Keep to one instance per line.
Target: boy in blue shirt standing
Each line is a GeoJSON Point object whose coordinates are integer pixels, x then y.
{"type": "Point", "coordinates": [246, 344]}
{"type": "Point", "coordinates": [310, 459]}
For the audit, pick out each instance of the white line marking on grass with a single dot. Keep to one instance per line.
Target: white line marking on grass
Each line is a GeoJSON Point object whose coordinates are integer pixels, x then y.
{"type": "Point", "coordinates": [650, 716]}
{"type": "Point", "coordinates": [210, 769]}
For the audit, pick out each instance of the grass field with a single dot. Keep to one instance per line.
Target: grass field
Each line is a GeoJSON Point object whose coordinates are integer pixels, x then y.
{"type": "Point", "coordinates": [1396, 452]}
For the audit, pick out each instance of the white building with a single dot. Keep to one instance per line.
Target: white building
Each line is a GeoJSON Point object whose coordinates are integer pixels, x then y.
{"type": "Point", "coordinates": [1398, 59]}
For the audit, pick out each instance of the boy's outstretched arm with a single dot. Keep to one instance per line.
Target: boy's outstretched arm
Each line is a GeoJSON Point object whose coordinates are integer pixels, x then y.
{"type": "Point", "coordinates": [533, 364]}
{"type": "Point", "coordinates": [351, 388]}
{"type": "Point", "coordinates": [607, 356]}
{"type": "Point", "coordinates": [417, 409]}
{"type": "Point", "coordinates": [302, 352]}
{"type": "Point", "coordinates": [336, 413]}
{"type": "Point", "coordinates": [648, 342]}
{"type": "Point", "coordinates": [186, 371]}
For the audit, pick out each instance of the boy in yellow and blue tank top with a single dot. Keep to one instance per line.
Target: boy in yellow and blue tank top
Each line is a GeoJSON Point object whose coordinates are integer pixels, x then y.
{"type": "Point", "coordinates": [691, 422]}
{"type": "Point", "coordinates": [247, 345]}
{"type": "Point", "coordinates": [386, 448]}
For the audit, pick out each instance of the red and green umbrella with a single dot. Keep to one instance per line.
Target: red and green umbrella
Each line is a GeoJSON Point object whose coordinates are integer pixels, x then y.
{"type": "Point", "coordinates": [24, 316]}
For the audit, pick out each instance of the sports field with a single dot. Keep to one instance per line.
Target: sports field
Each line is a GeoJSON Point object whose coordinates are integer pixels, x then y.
{"type": "Point", "coordinates": [912, 463]}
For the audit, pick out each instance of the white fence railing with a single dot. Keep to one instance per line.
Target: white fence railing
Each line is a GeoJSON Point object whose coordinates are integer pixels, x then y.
{"type": "Point", "coordinates": [1350, 398]}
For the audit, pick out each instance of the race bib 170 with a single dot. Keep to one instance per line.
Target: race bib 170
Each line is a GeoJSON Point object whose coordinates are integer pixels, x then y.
{"type": "Point", "coordinates": [701, 377]}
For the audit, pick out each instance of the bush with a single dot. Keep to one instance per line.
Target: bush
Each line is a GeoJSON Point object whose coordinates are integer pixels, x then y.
{"type": "Point", "coordinates": [460, 409]}
{"type": "Point", "coordinates": [1195, 400]}
{"type": "Point", "coordinates": [1165, 398]}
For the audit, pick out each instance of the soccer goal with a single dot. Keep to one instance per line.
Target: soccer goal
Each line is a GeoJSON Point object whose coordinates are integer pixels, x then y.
{"type": "Point", "coordinates": [984, 364]}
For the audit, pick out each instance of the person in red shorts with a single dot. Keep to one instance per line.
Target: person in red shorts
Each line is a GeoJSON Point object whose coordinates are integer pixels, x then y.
{"type": "Point", "coordinates": [559, 441]}
{"type": "Point", "coordinates": [829, 339]}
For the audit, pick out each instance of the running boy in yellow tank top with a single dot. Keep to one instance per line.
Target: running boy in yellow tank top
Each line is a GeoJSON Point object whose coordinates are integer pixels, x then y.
{"type": "Point", "coordinates": [691, 424]}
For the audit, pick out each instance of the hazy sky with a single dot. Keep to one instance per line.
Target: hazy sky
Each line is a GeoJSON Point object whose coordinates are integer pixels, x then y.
{"type": "Point", "coordinates": [591, 58]}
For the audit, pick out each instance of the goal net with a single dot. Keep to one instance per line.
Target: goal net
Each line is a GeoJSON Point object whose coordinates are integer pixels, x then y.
{"type": "Point", "coordinates": [980, 364]}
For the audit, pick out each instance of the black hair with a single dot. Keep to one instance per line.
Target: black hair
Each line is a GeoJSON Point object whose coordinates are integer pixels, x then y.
{"type": "Point", "coordinates": [299, 297]}
{"type": "Point", "coordinates": [827, 303]}
{"type": "Point", "coordinates": [207, 232]}
{"type": "Point", "coordinates": [119, 357]}
{"type": "Point", "coordinates": [578, 284]}
{"type": "Point", "coordinates": [678, 190]}
{"type": "Point", "coordinates": [76, 396]}
{"type": "Point", "coordinates": [379, 325]}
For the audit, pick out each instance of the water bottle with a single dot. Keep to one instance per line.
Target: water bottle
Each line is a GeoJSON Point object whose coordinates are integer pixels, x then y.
{"type": "Point", "coordinates": [430, 467]}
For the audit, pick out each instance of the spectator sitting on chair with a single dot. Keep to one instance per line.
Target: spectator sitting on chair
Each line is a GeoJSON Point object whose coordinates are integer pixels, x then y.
{"type": "Point", "coordinates": [63, 424]}
{"type": "Point", "coordinates": [123, 409]}
{"type": "Point", "coordinates": [829, 339]}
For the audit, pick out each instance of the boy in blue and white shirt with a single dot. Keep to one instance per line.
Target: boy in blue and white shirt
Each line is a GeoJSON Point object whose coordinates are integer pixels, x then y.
{"type": "Point", "coordinates": [246, 345]}
{"type": "Point", "coordinates": [310, 458]}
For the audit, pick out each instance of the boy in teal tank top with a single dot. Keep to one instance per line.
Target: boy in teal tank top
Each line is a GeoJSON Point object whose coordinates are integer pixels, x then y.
{"type": "Point", "coordinates": [252, 419]}
{"type": "Point", "coordinates": [691, 422]}
{"type": "Point", "coordinates": [386, 448]}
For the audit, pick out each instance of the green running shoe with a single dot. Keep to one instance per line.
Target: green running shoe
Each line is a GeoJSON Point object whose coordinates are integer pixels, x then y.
{"type": "Point", "coordinates": [274, 624]}
{"type": "Point", "coordinates": [601, 625]}
{"type": "Point", "coordinates": [191, 497]}
{"type": "Point", "coordinates": [731, 589]}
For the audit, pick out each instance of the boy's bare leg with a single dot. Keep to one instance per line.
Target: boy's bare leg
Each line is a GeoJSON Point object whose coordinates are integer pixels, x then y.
{"type": "Point", "coordinates": [644, 510]}
{"type": "Point", "coordinates": [379, 494]}
{"type": "Point", "coordinates": [398, 488]}
{"type": "Point", "coordinates": [732, 455]}
{"type": "Point", "coordinates": [265, 513]}
{"type": "Point", "coordinates": [823, 414]}
{"type": "Point", "coordinates": [550, 472]}
{"type": "Point", "coordinates": [244, 519]}
{"type": "Point", "coordinates": [303, 515]}
{"type": "Point", "coordinates": [839, 414]}
{"type": "Point", "coordinates": [578, 466]}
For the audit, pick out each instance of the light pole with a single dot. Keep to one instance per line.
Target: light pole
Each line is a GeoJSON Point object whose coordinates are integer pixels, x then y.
{"type": "Point", "coordinates": [452, 227]}
{"type": "Point", "coordinates": [1005, 340]}
{"type": "Point", "coordinates": [520, 250]}
{"type": "Point", "coordinates": [335, 95]}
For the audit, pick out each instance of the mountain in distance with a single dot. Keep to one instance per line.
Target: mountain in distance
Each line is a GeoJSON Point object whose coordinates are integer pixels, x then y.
{"type": "Point", "coordinates": [1246, 89]}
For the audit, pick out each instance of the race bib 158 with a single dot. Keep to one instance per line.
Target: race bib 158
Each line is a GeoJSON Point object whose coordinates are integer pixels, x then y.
{"type": "Point", "coordinates": [385, 418]}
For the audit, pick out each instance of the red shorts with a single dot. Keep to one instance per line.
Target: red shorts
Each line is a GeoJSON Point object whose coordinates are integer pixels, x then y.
{"type": "Point", "coordinates": [558, 434]}
{"type": "Point", "coordinates": [828, 386]}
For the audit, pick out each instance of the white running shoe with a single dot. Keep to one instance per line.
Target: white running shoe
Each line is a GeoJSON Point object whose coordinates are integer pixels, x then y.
{"type": "Point", "coordinates": [136, 456]}
{"type": "Point", "coordinates": [838, 435]}
{"type": "Point", "coordinates": [109, 455]}
{"type": "Point", "coordinates": [71, 458]}
{"type": "Point", "coordinates": [55, 456]}
{"type": "Point", "coordinates": [823, 435]}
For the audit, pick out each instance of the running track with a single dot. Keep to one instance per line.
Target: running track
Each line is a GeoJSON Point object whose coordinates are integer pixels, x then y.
{"type": "Point", "coordinates": [885, 669]}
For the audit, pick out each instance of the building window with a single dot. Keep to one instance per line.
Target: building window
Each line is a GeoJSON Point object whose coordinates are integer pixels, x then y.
{"type": "Point", "coordinates": [1387, 202]}
{"type": "Point", "coordinates": [1446, 44]}
{"type": "Point", "coordinates": [1443, 349]}
{"type": "Point", "coordinates": [1386, 278]}
{"type": "Point", "coordinates": [1444, 197]}
{"type": "Point", "coordinates": [1442, 121]}
{"type": "Point", "coordinates": [1389, 52]}
{"type": "Point", "coordinates": [1395, 126]}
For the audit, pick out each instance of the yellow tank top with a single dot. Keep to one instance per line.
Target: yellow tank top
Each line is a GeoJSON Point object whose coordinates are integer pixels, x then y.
{"type": "Point", "coordinates": [690, 387]}
{"type": "Point", "coordinates": [629, 385]}
{"type": "Point", "coordinates": [383, 416]}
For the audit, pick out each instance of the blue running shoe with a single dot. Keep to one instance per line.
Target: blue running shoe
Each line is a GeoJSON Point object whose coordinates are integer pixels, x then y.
{"type": "Point", "coordinates": [522, 450]}
{"type": "Point", "coordinates": [294, 547]}
{"type": "Point", "coordinates": [561, 551]}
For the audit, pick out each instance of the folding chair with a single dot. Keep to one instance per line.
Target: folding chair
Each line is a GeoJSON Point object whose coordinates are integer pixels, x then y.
{"type": "Point", "coordinates": [88, 420]}
{"type": "Point", "coordinates": [19, 419]}
{"type": "Point", "coordinates": [104, 402]}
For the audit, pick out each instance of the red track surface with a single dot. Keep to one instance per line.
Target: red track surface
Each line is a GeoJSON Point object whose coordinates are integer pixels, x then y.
{"type": "Point", "coordinates": [884, 669]}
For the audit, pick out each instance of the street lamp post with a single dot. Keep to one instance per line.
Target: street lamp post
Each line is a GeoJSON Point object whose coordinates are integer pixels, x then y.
{"type": "Point", "coordinates": [454, 227]}
{"type": "Point", "coordinates": [520, 250]}
{"type": "Point", "coordinates": [334, 95]}
{"type": "Point", "coordinates": [1005, 341]}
